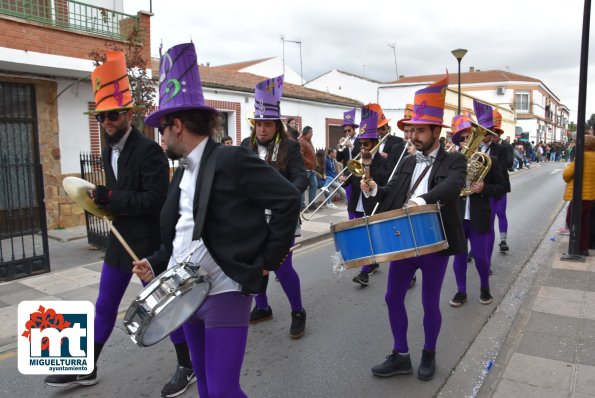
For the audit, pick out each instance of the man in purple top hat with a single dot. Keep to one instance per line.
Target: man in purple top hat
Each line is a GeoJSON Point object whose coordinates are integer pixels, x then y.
{"type": "Point", "coordinates": [348, 149]}
{"type": "Point", "coordinates": [357, 207]}
{"type": "Point", "coordinates": [215, 211]}
{"type": "Point", "coordinates": [477, 211]}
{"type": "Point", "coordinates": [429, 177]}
{"type": "Point", "coordinates": [275, 146]}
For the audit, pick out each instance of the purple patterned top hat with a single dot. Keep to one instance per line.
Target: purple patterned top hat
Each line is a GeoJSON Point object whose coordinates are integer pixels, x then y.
{"type": "Point", "coordinates": [369, 124]}
{"type": "Point", "coordinates": [267, 97]}
{"type": "Point", "coordinates": [349, 119]}
{"type": "Point", "coordinates": [484, 114]}
{"type": "Point", "coordinates": [179, 83]}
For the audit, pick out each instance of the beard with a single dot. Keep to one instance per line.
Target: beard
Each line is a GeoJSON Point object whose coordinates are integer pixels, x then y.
{"type": "Point", "coordinates": [424, 147]}
{"type": "Point", "coordinates": [116, 137]}
{"type": "Point", "coordinates": [172, 155]}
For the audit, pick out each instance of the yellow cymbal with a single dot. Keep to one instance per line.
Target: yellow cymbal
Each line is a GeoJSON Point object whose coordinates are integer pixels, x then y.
{"type": "Point", "coordinates": [77, 189]}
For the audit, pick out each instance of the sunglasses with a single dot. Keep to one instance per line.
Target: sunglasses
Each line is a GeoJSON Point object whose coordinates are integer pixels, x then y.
{"type": "Point", "coordinates": [111, 115]}
{"type": "Point", "coordinates": [366, 143]}
{"type": "Point", "coordinates": [162, 128]}
{"type": "Point", "coordinates": [347, 131]}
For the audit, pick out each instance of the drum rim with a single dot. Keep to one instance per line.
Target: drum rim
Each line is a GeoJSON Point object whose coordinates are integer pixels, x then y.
{"type": "Point", "coordinates": [385, 216]}
{"type": "Point", "coordinates": [397, 255]}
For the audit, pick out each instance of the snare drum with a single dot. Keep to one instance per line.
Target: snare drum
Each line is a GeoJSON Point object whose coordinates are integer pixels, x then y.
{"type": "Point", "coordinates": [393, 235]}
{"type": "Point", "coordinates": [166, 303]}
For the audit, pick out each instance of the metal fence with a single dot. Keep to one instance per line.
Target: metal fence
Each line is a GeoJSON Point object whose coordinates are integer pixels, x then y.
{"type": "Point", "coordinates": [73, 15]}
{"type": "Point", "coordinates": [97, 228]}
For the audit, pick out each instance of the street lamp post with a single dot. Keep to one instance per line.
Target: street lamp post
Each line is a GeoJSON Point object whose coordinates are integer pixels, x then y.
{"type": "Point", "coordinates": [459, 53]}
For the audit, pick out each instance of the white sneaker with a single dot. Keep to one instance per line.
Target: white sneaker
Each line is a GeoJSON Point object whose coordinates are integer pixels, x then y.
{"type": "Point", "coordinates": [331, 206]}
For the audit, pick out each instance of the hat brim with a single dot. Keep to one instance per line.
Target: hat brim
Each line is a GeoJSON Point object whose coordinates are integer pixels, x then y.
{"type": "Point", "coordinates": [154, 118]}
{"type": "Point", "coordinates": [384, 122]}
{"type": "Point", "coordinates": [124, 108]}
{"type": "Point", "coordinates": [400, 123]}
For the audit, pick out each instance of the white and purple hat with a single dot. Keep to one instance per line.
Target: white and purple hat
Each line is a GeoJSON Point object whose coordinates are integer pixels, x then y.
{"type": "Point", "coordinates": [267, 98]}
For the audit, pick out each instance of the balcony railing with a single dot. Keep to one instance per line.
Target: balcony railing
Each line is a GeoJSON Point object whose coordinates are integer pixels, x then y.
{"type": "Point", "coordinates": [73, 15]}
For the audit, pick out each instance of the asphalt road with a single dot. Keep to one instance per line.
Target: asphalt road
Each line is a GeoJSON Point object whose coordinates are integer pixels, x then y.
{"type": "Point", "coordinates": [347, 328]}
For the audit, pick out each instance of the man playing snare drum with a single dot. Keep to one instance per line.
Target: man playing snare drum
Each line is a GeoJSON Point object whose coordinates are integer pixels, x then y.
{"type": "Point", "coordinates": [215, 208]}
{"type": "Point", "coordinates": [429, 177]}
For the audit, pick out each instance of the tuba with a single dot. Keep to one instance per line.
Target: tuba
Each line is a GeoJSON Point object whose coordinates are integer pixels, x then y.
{"type": "Point", "coordinates": [478, 163]}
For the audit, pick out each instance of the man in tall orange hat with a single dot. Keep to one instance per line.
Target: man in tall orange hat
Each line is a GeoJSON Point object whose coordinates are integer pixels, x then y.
{"type": "Point", "coordinates": [137, 177]}
{"type": "Point", "coordinates": [429, 177]}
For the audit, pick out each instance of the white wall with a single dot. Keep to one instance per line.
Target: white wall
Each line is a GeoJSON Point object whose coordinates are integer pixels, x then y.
{"type": "Point", "coordinates": [273, 68]}
{"type": "Point", "coordinates": [73, 125]}
{"type": "Point", "coordinates": [335, 82]}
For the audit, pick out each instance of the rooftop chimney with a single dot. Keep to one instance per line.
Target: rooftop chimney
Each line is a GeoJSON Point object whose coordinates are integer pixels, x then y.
{"type": "Point", "coordinates": [472, 69]}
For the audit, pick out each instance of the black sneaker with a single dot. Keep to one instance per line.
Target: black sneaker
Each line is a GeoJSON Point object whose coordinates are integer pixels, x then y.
{"type": "Point", "coordinates": [298, 324]}
{"type": "Point", "coordinates": [459, 299]}
{"type": "Point", "coordinates": [469, 257]}
{"type": "Point", "coordinates": [259, 315]}
{"type": "Point", "coordinates": [69, 380]}
{"type": "Point", "coordinates": [504, 247]}
{"type": "Point", "coordinates": [412, 282]}
{"type": "Point", "coordinates": [179, 382]}
{"type": "Point", "coordinates": [427, 365]}
{"type": "Point", "coordinates": [485, 297]}
{"type": "Point", "coordinates": [361, 278]}
{"type": "Point", "coordinates": [373, 268]}
{"type": "Point", "coordinates": [395, 364]}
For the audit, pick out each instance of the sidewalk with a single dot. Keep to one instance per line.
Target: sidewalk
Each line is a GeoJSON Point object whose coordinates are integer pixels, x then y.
{"type": "Point", "coordinates": [550, 348]}
{"type": "Point", "coordinates": [76, 270]}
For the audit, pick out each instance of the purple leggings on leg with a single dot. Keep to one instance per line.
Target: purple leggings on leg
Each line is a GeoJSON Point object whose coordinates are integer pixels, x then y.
{"type": "Point", "coordinates": [498, 207]}
{"type": "Point", "coordinates": [216, 335]}
{"type": "Point", "coordinates": [479, 248]}
{"type": "Point", "coordinates": [112, 285]}
{"type": "Point", "coordinates": [433, 267]}
{"type": "Point", "coordinates": [290, 282]}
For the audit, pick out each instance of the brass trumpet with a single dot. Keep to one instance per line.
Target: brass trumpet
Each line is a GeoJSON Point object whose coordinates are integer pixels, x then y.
{"type": "Point", "coordinates": [342, 143]}
{"type": "Point", "coordinates": [478, 163]}
{"type": "Point", "coordinates": [354, 166]}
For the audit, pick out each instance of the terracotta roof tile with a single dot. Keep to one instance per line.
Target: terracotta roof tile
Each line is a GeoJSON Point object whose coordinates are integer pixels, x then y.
{"type": "Point", "coordinates": [487, 76]}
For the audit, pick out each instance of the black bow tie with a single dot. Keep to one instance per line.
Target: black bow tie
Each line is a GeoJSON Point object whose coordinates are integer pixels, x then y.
{"type": "Point", "coordinates": [421, 158]}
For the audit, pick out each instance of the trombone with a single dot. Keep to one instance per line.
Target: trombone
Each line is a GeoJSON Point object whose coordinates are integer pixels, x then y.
{"type": "Point", "coordinates": [354, 166]}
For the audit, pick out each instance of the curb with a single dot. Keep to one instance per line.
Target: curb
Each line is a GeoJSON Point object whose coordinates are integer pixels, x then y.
{"type": "Point", "coordinates": [472, 369]}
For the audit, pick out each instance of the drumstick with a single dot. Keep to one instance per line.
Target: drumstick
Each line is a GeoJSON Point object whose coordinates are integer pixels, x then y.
{"type": "Point", "coordinates": [292, 248]}
{"type": "Point", "coordinates": [121, 239]}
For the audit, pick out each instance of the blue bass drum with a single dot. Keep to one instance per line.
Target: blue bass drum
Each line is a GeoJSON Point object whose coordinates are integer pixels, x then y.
{"type": "Point", "coordinates": [393, 235]}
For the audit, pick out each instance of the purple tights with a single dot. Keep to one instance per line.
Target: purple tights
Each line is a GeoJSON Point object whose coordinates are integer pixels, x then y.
{"type": "Point", "coordinates": [216, 336]}
{"type": "Point", "coordinates": [112, 285]}
{"type": "Point", "coordinates": [479, 248]}
{"type": "Point", "coordinates": [433, 267]}
{"type": "Point", "coordinates": [290, 282]}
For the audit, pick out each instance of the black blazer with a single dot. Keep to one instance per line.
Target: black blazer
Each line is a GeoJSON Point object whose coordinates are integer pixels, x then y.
{"type": "Point", "coordinates": [379, 173]}
{"type": "Point", "coordinates": [234, 228]}
{"type": "Point", "coordinates": [137, 197]}
{"type": "Point", "coordinates": [395, 153]}
{"type": "Point", "coordinates": [446, 179]}
{"type": "Point", "coordinates": [390, 142]}
{"type": "Point", "coordinates": [480, 210]}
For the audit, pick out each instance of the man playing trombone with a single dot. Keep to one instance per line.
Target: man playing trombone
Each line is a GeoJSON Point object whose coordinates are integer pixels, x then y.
{"type": "Point", "coordinates": [348, 148]}
{"type": "Point", "coordinates": [375, 166]}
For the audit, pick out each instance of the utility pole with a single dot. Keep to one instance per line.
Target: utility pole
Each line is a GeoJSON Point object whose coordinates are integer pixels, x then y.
{"type": "Point", "coordinates": [283, 39]}
{"type": "Point", "coordinates": [393, 46]}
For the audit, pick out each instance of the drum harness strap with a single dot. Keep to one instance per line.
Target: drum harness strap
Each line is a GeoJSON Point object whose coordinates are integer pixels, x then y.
{"type": "Point", "coordinates": [405, 207]}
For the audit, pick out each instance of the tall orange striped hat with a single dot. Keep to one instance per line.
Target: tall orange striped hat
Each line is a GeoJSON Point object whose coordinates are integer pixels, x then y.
{"type": "Point", "coordinates": [111, 85]}
{"type": "Point", "coordinates": [428, 104]}
{"type": "Point", "coordinates": [497, 122]}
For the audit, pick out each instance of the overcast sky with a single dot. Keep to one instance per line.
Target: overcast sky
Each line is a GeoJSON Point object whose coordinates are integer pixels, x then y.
{"type": "Point", "coordinates": [540, 39]}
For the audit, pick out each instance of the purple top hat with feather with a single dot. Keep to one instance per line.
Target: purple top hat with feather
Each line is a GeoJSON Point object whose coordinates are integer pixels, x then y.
{"type": "Point", "coordinates": [349, 119]}
{"type": "Point", "coordinates": [179, 83]}
{"type": "Point", "coordinates": [267, 98]}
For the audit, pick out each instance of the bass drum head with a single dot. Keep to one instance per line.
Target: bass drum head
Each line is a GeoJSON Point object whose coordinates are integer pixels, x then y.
{"type": "Point", "coordinates": [174, 314]}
